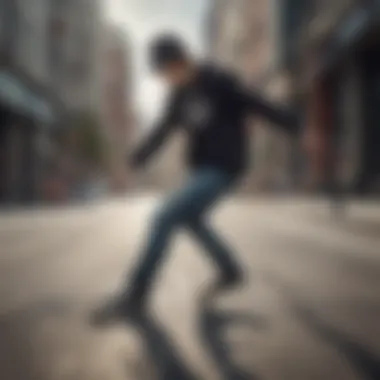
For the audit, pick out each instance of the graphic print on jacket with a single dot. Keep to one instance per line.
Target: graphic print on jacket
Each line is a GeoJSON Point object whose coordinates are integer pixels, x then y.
{"type": "Point", "coordinates": [197, 112]}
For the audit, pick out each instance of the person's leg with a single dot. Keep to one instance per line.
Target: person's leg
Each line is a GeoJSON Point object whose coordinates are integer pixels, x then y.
{"type": "Point", "coordinates": [215, 185]}
{"type": "Point", "coordinates": [220, 253]}
{"type": "Point", "coordinates": [133, 295]}
{"type": "Point", "coordinates": [165, 222]}
{"type": "Point", "coordinates": [183, 209]}
{"type": "Point", "coordinates": [186, 206]}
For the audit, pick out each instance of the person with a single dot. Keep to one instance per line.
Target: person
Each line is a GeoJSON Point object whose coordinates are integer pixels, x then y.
{"type": "Point", "coordinates": [211, 106]}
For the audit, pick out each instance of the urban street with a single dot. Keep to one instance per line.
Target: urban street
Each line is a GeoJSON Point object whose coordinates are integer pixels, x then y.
{"type": "Point", "coordinates": [310, 310]}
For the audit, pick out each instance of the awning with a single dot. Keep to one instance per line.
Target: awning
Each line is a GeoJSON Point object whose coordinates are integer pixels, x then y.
{"type": "Point", "coordinates": [41, 110]}
{"type": "Point", "coordinates": [20, 98]}
{"type": "Point", "coordinates": [13, 93]}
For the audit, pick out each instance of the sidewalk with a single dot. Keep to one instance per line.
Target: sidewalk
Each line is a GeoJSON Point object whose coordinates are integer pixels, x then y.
{"type": "Point", "coordinates": [356, 216]}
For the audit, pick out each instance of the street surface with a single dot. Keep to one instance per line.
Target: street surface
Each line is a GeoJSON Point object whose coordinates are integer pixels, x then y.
{"type": "Point", "coordinates": [311, 310]}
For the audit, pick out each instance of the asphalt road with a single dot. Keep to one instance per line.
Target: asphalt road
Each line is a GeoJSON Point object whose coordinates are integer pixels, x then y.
{"type": "Point", "coordinates": [311, 310]}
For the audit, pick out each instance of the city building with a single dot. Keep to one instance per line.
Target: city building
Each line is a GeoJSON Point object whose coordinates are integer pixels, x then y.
{"type": "Point", "coordinates": [74, 51]}
{"type": "Point", "coordinates": [74, 55]}
{"type": "Point", "coordinates": [49, 72]}
{"type": "Point", "coordinates": [118, 116]}
{"type": "Point", "coordinates": [241, 37]}
{"type": "Point", "coordinates": [331, 52]}
{"type": "Point", "coordinates": [28, 108]}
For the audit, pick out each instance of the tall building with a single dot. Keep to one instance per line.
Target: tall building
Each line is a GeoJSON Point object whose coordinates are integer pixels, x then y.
{"type": "Point", "coordinates": [28, 108]}
{"type": "Point", "coordinates": [331, 50]}
{"type": "Point", "coordinates": [49, 69]}
{"type": "Point", "coordinates": [74, 51]}
{"type": "Point", "coordinates": [241, 37]}
{"type": "Point", "coordinates": [118, 115]}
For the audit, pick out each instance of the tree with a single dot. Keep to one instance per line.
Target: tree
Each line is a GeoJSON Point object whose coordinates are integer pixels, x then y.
{"type": "Point", "coordinates": [89, 142]}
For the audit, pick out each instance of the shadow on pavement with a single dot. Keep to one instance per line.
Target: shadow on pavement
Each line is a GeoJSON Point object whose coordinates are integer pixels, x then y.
{"type": "Point", "coordinates": [167, 362]}
{"type": "Point", "coordinates": [162, 353]}
{"type": "Point", "coordinates": [213, 325]}
{"type": "Point", "coordinates": [366, 363]}
{"type": "Point", "coordinates": [17, 349]}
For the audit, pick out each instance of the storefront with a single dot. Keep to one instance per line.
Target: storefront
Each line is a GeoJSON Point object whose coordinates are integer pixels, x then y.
{"type": "Point", "coordinates": [24, 116]}
{"type": "Point", "coordinates": [346, 98]}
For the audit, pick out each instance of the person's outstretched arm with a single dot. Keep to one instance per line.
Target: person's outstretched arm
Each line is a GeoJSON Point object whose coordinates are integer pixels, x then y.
{"type": "Point", "coordinates": [278, 115]}
{"type": "Point", "coordinates": [256, 104]}
{"type": "Point", "coordinates": [151, 143]}
{"type": "Point", "coordinates": [160, 132]}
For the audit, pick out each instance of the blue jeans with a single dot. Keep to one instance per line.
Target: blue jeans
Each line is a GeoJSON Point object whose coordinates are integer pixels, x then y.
{"type": "Point", "coordinates": [187, 208]}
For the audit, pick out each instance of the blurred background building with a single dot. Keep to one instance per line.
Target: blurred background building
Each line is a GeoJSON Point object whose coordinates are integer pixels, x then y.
{"type": "Point", "coordinates": [74, 48]}
{"type": "Point", "coordinates": [59, 70]}
{"type": "Point", "coordinates": [66, 88]}
{"type": "Point", "coordinates": [321, 57]}
{"type": "Point", "coordinates": [119, 118]}
{"type": "Point", "coordinates": [75, 69]}
{"type": "Point", "coordinates": [28, 106]}
{"type": "Point", "coordinates": [331, 52]}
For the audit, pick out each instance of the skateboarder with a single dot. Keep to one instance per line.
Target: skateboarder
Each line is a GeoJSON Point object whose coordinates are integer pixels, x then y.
{"type": "Point", "coordinates": [211, 106]}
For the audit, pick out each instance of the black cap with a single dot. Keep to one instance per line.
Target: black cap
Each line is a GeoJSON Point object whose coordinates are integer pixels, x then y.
{"type": "Point", "coordinates": [167, 49]}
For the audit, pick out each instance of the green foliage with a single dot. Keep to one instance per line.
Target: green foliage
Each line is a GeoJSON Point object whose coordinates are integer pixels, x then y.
{"type": "Point", "coordinates": [89, 141]}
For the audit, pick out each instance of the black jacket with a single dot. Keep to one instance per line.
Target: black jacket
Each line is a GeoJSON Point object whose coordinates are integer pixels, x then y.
{"type": "Point", "coordinates": [213, 111]}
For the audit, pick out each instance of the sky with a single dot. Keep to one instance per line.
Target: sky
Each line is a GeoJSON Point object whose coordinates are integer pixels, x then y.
{"type": "Point", "coordinates": [142, 19]}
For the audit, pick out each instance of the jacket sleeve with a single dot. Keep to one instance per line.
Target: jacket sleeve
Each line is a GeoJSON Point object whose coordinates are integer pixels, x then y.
{"type": "Point", "coordinates": [256, 104]}
{"type": "Point", "coordinates": [159, 134]}
{"type": "Point", "coordinates": [278, 115]}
